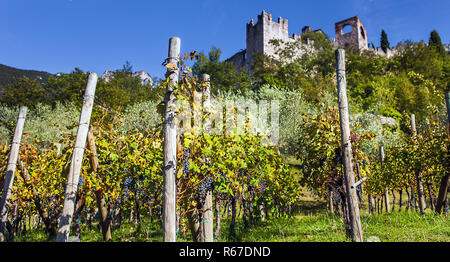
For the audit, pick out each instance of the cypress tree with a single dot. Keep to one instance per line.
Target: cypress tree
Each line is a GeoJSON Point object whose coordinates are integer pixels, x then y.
{"type": "Point", "coordinates": [384, 41]}
{"type": "Point", "coordinates": [436, 43]}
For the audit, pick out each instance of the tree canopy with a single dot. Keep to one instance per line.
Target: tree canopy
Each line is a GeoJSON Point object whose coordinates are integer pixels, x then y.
{"type": "Point", "coordinates": [384, 42]}
{"type": "Point", "coordinates": [121, 90]}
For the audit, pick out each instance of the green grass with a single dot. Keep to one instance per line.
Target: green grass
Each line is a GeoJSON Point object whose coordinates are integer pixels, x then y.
{"type": "Point", "coordinates": [407, 226]}
{"type": "Point", "coordinates": [321, 226]}
{"type": "Point", "coordinates": [35, 235]}
{"type": "Point", "coordinates": [128, 232]}
{"type": "Point", "coordinates": [300, 228]}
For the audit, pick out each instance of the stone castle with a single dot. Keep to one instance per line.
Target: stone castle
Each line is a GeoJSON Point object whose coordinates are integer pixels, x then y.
{"type": "Point", "coordinates": [142, 75]}
{"type": "Point", "coordinates": [349, 33]}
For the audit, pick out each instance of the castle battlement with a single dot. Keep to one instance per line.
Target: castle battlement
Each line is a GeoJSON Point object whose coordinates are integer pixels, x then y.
{"type": "Point", "coordinates": [259, 35]}
{"type": "Point", "coordinates": [278, 29]}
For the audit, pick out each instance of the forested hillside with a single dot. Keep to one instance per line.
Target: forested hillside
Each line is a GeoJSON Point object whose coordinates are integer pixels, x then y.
{"type": "Point", "coordinates": [9, 74]}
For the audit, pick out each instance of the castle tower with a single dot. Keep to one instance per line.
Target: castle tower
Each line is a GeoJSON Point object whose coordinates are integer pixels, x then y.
{"type": "Point", "coordinates": [356, 38]}
{"type": "Point", "coordinates": [260, 34]}
{"type": "Point", "coordinates": [258, 40]}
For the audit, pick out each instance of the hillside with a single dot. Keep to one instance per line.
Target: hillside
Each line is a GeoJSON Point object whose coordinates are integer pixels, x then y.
{"type": "Point", "coordinates": [7, 74]}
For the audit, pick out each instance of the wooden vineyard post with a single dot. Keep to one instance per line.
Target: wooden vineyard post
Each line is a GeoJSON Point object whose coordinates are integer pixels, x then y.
{"type": "Point", "coordinates": [206, 103]}
{"type": "Point", "coordinates": [207, 223]}
{"type": "Point", "coordinates": [349, 176]}
{"type": "Point", "coordinates": [371, 203]}
{"type": "Point", "coordinates": [447, 102]}
{"type": "Point", "coordinates": [77, 159]}
{"type": "Point", "coordinates": [100, 197]}
{"type": "Point", "coordinates": [445, 182]}
{"type": "Point", "coordinates": [361, 191]}
{"type": "Point", "coordinates": [413, 124]}
{"type": "Point", "coordinates": [386, 191]}
{"type": "Point", "coordinates": [170, 145]}
{"type": "Point", "coordinates": [420, 191]}
{"type": "Point", "coordinates": [11, 169]}
{"type": "Point", "coordinates": [330, 200]}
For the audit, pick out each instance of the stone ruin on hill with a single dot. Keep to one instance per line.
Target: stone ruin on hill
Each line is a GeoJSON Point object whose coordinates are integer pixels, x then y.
{"type": "Point", "coordinates": [349, 33]}
{"type": "Point", "coordinates": [142, 75]}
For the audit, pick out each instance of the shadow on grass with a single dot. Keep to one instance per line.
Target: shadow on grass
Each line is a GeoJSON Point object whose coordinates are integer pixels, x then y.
{"type": "Point", "coordinates": [281, 228]}
{"type": "Point", "coordinates": [35, 235]}
{"type": "Point", "coordinates": [309, 207]}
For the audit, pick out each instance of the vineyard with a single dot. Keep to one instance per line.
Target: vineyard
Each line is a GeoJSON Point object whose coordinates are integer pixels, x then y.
{"type": "Point", "coordinates": [71, 166]}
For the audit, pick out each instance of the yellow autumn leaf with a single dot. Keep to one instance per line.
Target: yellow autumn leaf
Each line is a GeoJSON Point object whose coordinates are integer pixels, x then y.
{"type": "Point", "coordinates": [171, 66]}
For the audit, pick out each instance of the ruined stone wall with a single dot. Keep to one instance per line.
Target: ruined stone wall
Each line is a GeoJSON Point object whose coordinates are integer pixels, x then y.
{"type": "Point", "coordinates": [254, 41]}
{"type": "Point", "coordinates": [238, 59]}
{"type": "Point", "coordinates": [390, 52]}
{"type": "Point", "coordinates": [379, 51]}
{"type": "Point", "coordinates": [357, 38]}
{"type": "Point", "coordinates": [447, 47]}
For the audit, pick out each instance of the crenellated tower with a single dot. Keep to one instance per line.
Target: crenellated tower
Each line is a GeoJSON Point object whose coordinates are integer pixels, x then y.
{"type": "Point", "coordinates": [260, 34]}
{"type": "Point", "coordinates": [258, 39]}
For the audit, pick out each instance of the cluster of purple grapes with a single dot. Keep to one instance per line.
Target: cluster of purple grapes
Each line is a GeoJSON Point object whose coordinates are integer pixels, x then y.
{"type": "Point", "coordinates": [185, 159]}
{"type": "Point", "coordinates": [207, 161]}
{"type": "Point", "coordinates": [354, 138]}
{"type": "Point", "coordinates": [126, 194]}
{"type": "Point", "coordinates": [262, 186]}
{"type": "Point", "coordinates": [128, 182]}
{"type": "Point", "coordinates": [222, 196]}
{"type": "Point", "coordinates": [338, 158]}
{"type": "Point", "coordinates": [206, 185]}
{"type": "Point", "coordinates": [80, 182]}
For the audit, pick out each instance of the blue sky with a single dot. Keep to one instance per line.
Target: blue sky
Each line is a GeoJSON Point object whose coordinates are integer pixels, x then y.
{"type": "Point", "coordinates": [98, 35]}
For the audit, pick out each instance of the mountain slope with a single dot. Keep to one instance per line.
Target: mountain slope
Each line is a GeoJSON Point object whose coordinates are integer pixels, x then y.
{"type": "Point", "coordinates": [7, 74]}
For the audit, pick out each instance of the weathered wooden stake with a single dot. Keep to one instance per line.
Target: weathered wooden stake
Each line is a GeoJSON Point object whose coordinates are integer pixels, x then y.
{"type": "Point", "coordinates": [447, 102]}
{"type": "Point", "coordinates": [330, 200]}
{"type": "Point", "coordinates": [170, 146]}
{"type": "Point", "coordinates": [99, 195]}
{"type": "Point", "coordinates": [413, 198]}
{"type": "Point", "coordinates": [349, 176]}
{"type": "Point", "coordinates": [413, 124]}
{"type": "Point", "coordinates": [386, 191]}
{"type": "Point", "coordinates": [393, 201]}
{"type": "Point", "coordinates": [420, 191]}
{"type": "Point", "coordinates": [361, 191]}
{"type": "Point", "coordinates": [77, 159]}
{"type": "Point", "coordinates": [421, 195]}
{"type": "Point", "coordinates": [11, 169]}
{"type": "Point", "coordinates": [218, 218]}
{"type": "Point", "coordinates": [371, 202]}
{"type": "Point", "coordinates": [206, 103]}
{"type": "Point", "coordinates": [430, 194]}
{"type": "Point", "coordinates": [355, 185]}
{"type": "Point", "coordinates": [207, 223]}
{"type": "Point", "coordinates": [445, 182]}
